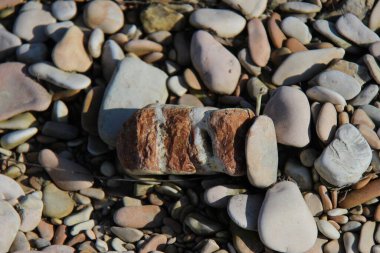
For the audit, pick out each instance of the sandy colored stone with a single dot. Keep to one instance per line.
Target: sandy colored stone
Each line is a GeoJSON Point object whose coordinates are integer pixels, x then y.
{"type": "Point", "coordinates": [295, 28]}
{"type": "Point", "coordinates": [245, 241]}
{"type": "Point", "coordinates": [374, 18]}
{"type": "Point", "coordinates": [218, 68]}
{"type": "Point", "coordinates": [223, 22]}
{"type": "Point", "coordinates": [154, 243]}
{"type": "Point", "coordinates": [66, 174]}
{"type": "Point", "coordinates": [105, 15]}
{"type": "Point", "coordinates": [147, 216]}
{"type": "Point", "coordinates": [10, 223]}
{"type": "Point", "coordinates": [142, 47]}
{"type": "Point", "coordinates": [159, 17]}
{"type": "Point", "coordinates": [370, 136]}
{"type": "Point", "coordinates": [249, 8]}
{"type": "Point", "coordinates": [258, 42]}
{"type": "Point", "coordinates": [69, 54]}
{"type": "Point", "coordinates": [323, 95]}
{"type": "Point", "coordinates": [290, 111]}
{"type": "Point", "coordinates": [283, 204]}
{"type": "Point", "coordinates": [313, 201]}
{"type": "Point", "coordinates": [20, 93]}
{"type": "Point", "coordinates": [327, 122]}
{"type": "Point", "coordinates": [301, 66]}
{"type": "Point", "coordinates": [294, 45]}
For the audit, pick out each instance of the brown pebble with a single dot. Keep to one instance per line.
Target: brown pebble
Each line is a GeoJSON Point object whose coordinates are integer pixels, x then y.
{"type": "Point", "coordinates": [294, 45]}
{"type": "Point", "coordinates": [191, 79]}
{"type": "Point", "coordinates": [358, 217]}
{"type": "Point", "coordinates": [60, 235]}
{"type": "Point", "coordinates": [142, 47]}
{"type": "Point", "coordinates": [139, 216]}
{"type": "Point", "coordinates": [376, 215]}
{"type": "Point", "coordinates": [340, 219]}
{"type": "Point", "coordinates": [46, 230]}
{"type": "Point", "coordinates": [274, 31]}
{"type": "Point", "coordinates": [326, 202]}
{"type": "Point", "coordinates": [279, 55]}
{"type": "Point", "coordinates": [363, 182]}
{"type": "Point", "coordinates": [334, 198]}
{"type": "Point", "coordinates": [154, 243]}
{"type": "Point", "coordinates": [79, 238]}
{"type": "Point", "coordinates": [357, 197]}
{"type": "Point", "coordinates": [153, 57]}
{"type": "Point", "coordinates": [190, 100]}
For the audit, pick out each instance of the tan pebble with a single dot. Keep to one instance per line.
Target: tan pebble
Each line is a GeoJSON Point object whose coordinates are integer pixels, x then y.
{"type": "Point", "coordinates": [320, 45]}
{"type": "Point", "coordinates": [191, 79]}
{"type": "Point", "coordinates": [46, 230]}
{"type": "Point", "coordinates": [357, 197]}
{"type": "Point", "coordinates": [332, 246]}
{"type": "Point", "coordinates": [190, 100]}
{"type": "Point", "coordinates": [363, 182]}
{"type": "Point", "coordinates": [370, 136]}
{"type": "Point", "coordinates": [339, 108]}
{"type": "Point", "coordinates": [340, 219]}
{"type": "Point", "coordinates": [334, 198]}
{"type": "Point", "coordinates": [294, 45]}
{"type": "Point", "coordinates": [360, 117]}
{"type": "Point", "coordinates": [274, 31]}
{"type": "Point", "coordinates": [139, 216]}
{"type": "Point", "coordinates": [142, 47]}
{"type": "Point", "coordinates": [279, 55]}
{"type": "Point", "coordinates": [154, 243]}
{"type": "Point", "coordinates": [374, 18]}
{"type": "Point", "coordinates": [120, 38]}
{"type": "Point", "coordinates": [343, 118]}
{"type": "Point", "coordinates": [153, 57]}
{"type": "Point", "coordinates": [69, 54]}
{"type": "Point", "coordinates": [366, 240]}
{"type": "Point", "coordinates": [259, 46]}
{"type": "Point", "coordinates": [326, 202]}
{"type": "Point", "coordinates": [326, 123]}
{"type": "Point", "coordinates": [79, 238]}
{"type": "Point", "coordinates": [376, 215]}
{"type": "Point", "coordinates": [335, 224]}
{"type": "Point", "coordinates": [358, 217]}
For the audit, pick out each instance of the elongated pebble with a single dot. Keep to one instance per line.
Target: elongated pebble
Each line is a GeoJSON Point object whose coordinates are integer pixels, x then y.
{"type": "Point", "coordinates": [15, 138]}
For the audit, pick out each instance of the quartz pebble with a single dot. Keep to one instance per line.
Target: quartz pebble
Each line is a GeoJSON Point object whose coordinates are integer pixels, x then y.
{"type": "Point", "coordinates": [346, 158]}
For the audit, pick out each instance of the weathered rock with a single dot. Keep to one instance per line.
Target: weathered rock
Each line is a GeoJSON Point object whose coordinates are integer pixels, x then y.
{"type": "Point", "coordinates": [322, 94]}
{"type": "Point", "coordinates": [283, 204]}
{"type": "Point", "coordinates": [290, 111]}
{"type": "Point", "coordinates": [127, 234]}
{"type": "Point", "coordinates": [366, 95]}
{"type": "Point", "coordinates": [301, 66]}
{"type": "Point", "coordinates": [261, 152]}
{"type": "Point", "coordinates": [161, 18]}
{"type": "Point", "coordinates": [217, 67]}
{"type": "Point", "coordinates": [345, 159]}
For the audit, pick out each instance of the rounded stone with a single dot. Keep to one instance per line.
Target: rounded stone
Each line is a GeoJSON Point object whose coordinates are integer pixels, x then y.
{"type": "Point", "coordinates": [346, 158]}
{"type": "Point", "coordinates": [218, 68]}
{"type": "Point", "coordinates": [322, 94]}
{"type": "Point", "coordinates": [261, 152]}
{"type": "Point", "coordinates": [127, 234]}
{"type": "Point", "coordinates": [258, 42]}
{"type": "Point", "coordinates": [57, 203]}
{"type": "Point", "coordinates": [105, 15]}
{"type": "Point", "coordinates": [283, 204]}
{"type": "Point", "coordinates": [63, 9]}
{"type": "Point", "coordinates": [327, 122]}
{"type": "Point", "coordinates": [244, 210]}
{"type": "Point", "coordinates": [218, 196]}
{"type": "Point", "coordinates": [300, 174]}
{"type": "Point", "coordinates": [10, 190]}
{"type": "Point", "coordinates": [148, 216]}
{"type": "Point", "coordinates": [225, 23]}
{"type": "Point", "coordinates": [313, 201]}
{"type": "Point", "coordinates": [328, 230]}
{"type": "Point", "coordinates": [290, 111]}
{"type": "Point", "coordinates": [249, 8]}
{"type": "Point", "coordinates": [30, 211]}
{"type": "Point", "coordinates": [95, 42]}
{"type": "Point", "coordinates": [295, 28]}
{"type": "Point", "coordinates": [9, 223]}
{"type": "Point", "coordinates": [16, 138]}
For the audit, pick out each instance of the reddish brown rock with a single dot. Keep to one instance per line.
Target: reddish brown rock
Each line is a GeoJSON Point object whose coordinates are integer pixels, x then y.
{"type": "Point", "coordinates": [294, 45]}
{"type": "Point", "coordinates": [357, 197]}
{"type": "Point", "coordinates": [147, 216]}
{"type": "Point", "coordinates": [274, 31]}
{"type": "Point", "coordinates": [258, 42]}
{"type": "Point", "coordinates": [167, 139]}
{"type": "Point", "coordinates": [154, 243]}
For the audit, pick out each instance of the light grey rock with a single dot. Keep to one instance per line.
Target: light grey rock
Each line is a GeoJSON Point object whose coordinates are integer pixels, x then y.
{"type": "Point", "coordinates": [18, 137]}
{"type": "Point", "coordinates": [366, 95]}
{"type": "Point", "coordinates": [8, 43]}
{"type": "Point", "coordinates": [20, 243]}
{"type": "Point", "coordinates": [290, 111]}
{"type": "Point", "coordinates": [112, 54]}
{"type": "Point", "coordinates": [218, 68]}
{"type": "Point", "coordinates": [283, 204]}
{"type": "Point", "coordinates": [10, 189]}
{"type": "Point", "coordinates": [313, 201]}
{"type": "Point", "coordinates": [323, 94]}
{"type": "Point", "coordinates": [339, 82]}
{"type": "Point", "coordinates": [218, 196]}
{"type": "Point", "coordinates": [95, 42]}
{"type": "Point", "coordinates": [353, 29]}
{"type": "Point", "coordinates": [9, 223]}
{"type": "Point", "coordinates": [300, 174]}
{"type": "Point", "coordinates": [295, 28]}
{"type": "Point", "coordinates": [30, 25]}
{"type": "Point", "coordinates": [56, 31]}
{"type": "Point", "coordinates": [244, 210]}
{"type": "Point", "coordinates": [247, 63]}
{"type": "Point", "coordinates": [351, 241]}
{"type": "Point", "coordinates": [177, 85]}
{"type": "Point", "coordinates": [32, 53]}
{"type": "Point", "coordinates": [60, 78]}
{"type": "Point", "coordinates": [302, 66]}
{"type": "Point", "coordinates": [81, 216]}
{"type": "Point", "coordinates": [225, 23]}
{"type": "Point", "coordinates": [345, 159]}
{"type": "Point", "coordinates": [328, 230]}
{"type": "Point", "coordinates": [64, 9]}
{"type": "Point", "coordinates": [60, 112]}
{"type": "Point", "coordinates": [261, 152]}
{"type": "Point", "coordinates": [30, 210]}
{"type": "Point", "coordinates": [132, 77]}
